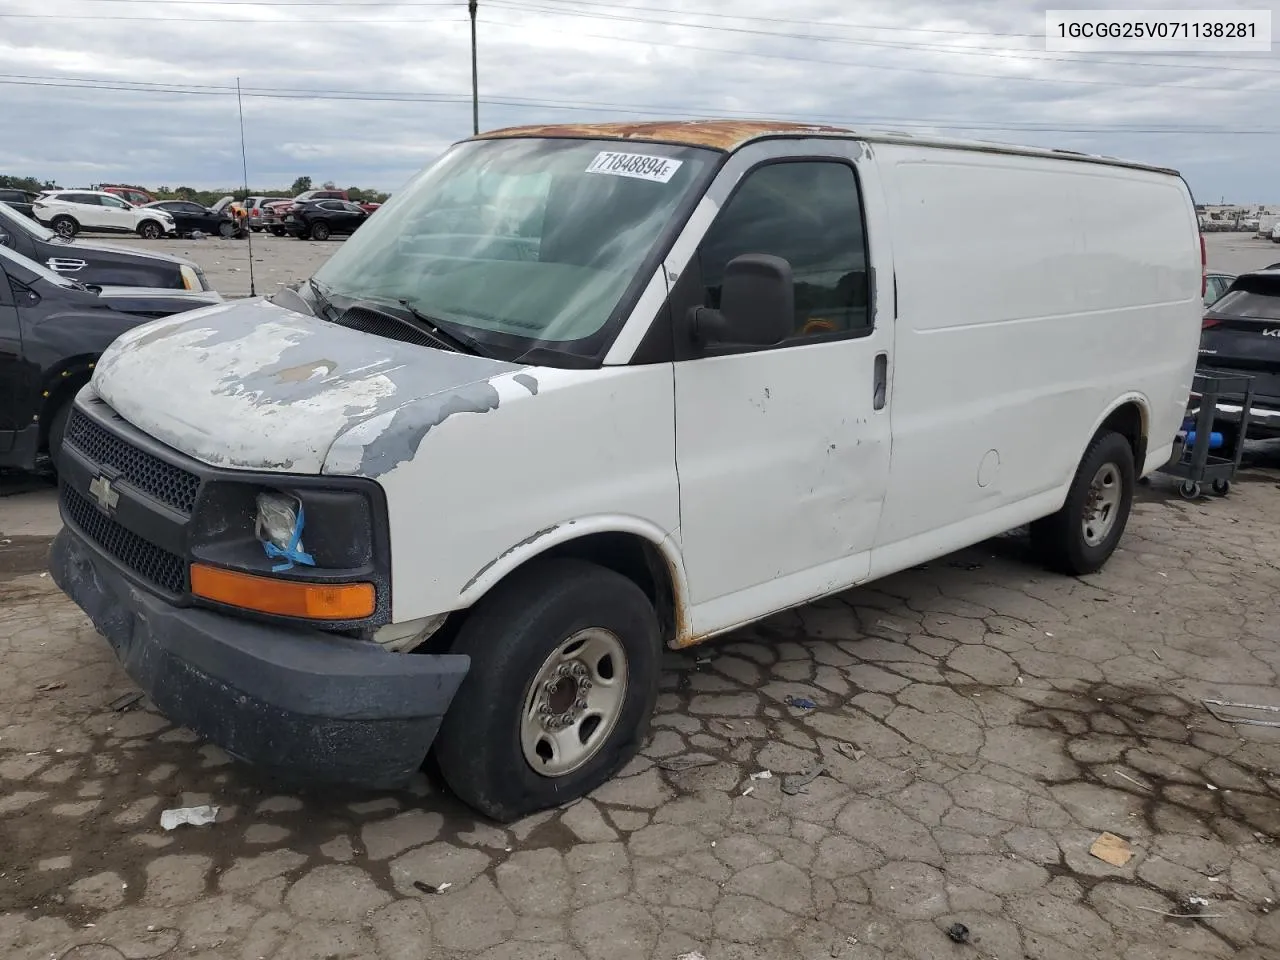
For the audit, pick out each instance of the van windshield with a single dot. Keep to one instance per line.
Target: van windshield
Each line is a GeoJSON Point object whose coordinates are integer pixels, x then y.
{"type": "Point", "coordinates": [522, 241]}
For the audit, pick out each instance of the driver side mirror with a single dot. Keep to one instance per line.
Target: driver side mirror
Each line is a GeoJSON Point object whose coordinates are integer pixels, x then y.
{"type": "Point", "coordinates": [757, 304]}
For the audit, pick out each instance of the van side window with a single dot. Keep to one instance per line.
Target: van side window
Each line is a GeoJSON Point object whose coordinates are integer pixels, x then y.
{"type": "Point", "coordinates": [810, 214]}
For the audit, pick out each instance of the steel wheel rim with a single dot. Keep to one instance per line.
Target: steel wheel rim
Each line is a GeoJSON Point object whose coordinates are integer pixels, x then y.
{"type": "Point", "coordinates": [64, 229]}
{"type": "Point", "coordinates": [574, 702]}
{"type": "Point", "coordinates": [1102, 505]}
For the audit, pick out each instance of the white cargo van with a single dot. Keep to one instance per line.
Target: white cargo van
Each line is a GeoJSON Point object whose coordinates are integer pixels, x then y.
{"type": "Point", "coordinates": [579, 393]}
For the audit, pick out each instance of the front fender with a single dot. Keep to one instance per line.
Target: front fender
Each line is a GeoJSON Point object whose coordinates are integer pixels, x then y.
{"type": "Point", "coordinates": [542, 541]}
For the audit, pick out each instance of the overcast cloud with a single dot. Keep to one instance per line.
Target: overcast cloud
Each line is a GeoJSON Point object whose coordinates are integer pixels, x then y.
{"type": "Point", "coordinates": [976, 69]}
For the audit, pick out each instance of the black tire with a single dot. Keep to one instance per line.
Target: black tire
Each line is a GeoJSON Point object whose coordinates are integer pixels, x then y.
{"type": "Point", "coordinates": [256, 229]}
{"type": "Point", "coordinates": [1222, 487]}
{"type": "Point", "coordinates": [65, 226]}
{"type": "Point", "coordinates": [58, 430]}
{"type": "Point", "coordinates": [227, 230]}
{"type": "Point", "coordinates": [1060, 538]}
{"type": "Point", "coordinates": [150, 230]}
{"type": "Point", "coordinates": [1189, 490]}
{"type": "Point", "coordinates": [509, 635]}
{"type": "Point", "coordinates": [320, 230]}
{"type": "Point", "coordinates": [277, 231]}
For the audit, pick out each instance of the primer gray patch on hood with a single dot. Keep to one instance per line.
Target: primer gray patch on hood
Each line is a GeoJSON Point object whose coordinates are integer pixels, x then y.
{"type": "Point", "coordinates": [253, 385]}
{"type": "Point", "coordinates": [410, 424]}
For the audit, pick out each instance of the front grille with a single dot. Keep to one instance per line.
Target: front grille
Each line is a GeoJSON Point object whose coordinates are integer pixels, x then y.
{"type": "Point", "coordinates": [155, 565]}
{"type": "Point", "coordinates": [164, 481]}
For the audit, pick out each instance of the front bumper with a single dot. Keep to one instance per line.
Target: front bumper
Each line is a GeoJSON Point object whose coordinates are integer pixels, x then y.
{"type": "Point", "coordinates": [306, 704]}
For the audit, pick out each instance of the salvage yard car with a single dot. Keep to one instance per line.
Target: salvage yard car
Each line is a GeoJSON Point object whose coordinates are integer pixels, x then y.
{"type": "Point", "coordinates": [1241, 335]}
{"type": "Point", "coordinates": [70, 211]}
{"type": "Point", "coordinates": [101, 264]}
{"type": "Point", "coordinates": [52, 330]}
{"type": "Point", "coordinates": [579, 393]}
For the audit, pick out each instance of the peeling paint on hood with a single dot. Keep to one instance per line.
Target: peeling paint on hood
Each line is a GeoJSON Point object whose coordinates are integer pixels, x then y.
{"type": "Point", "coordinates": [253, 385]}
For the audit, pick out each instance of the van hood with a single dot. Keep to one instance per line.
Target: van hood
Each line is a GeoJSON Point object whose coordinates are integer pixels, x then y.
{"type": "Point", "coordinates": [252, 385]}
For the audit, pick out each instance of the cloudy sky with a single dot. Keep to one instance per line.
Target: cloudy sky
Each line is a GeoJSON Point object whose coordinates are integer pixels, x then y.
{"type": "Point", "coordinates": [365, 92]}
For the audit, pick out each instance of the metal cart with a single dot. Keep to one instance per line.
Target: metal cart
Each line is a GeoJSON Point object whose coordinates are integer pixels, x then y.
{"type": "Point", "coordinates": [1196, 463]}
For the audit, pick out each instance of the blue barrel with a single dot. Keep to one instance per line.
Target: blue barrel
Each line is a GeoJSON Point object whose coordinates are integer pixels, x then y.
{"type": "Point", "coordinates": [1215, 439]}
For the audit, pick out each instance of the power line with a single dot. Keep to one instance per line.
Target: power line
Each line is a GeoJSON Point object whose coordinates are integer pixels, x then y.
{"type": "Point", "coordinates": [957, 49]}
{"type": "Point", "coordinates": [878, 66]}
{"type": "Point", "coordinates": [584, 3]}
{"type": "Point", "coordinates": [523, 102]}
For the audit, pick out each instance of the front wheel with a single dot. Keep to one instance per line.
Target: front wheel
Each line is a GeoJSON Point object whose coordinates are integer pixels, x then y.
{"type": "Point", "coordinates": [150, 230]}
{"type": "Point", "coordinates": [277, 231]}
{"type": "Point", "coordinates": [1081, 537]}
{"type": "Point", "coordinates": [565, 660]}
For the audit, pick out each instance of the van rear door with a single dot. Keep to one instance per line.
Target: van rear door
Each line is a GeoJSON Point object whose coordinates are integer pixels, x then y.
{"type": "Point", "coordinates": [783, 451]}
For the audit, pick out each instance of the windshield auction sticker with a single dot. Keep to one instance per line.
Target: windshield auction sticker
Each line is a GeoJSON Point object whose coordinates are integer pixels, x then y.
{"type": "Point", "coordinates": [1158, 31]}
{"type": "Point", "coordinates": [637, 165]}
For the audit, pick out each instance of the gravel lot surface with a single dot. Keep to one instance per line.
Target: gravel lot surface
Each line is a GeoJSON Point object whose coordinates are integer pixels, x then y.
{"type": "Point", "coordinates": [979, 722]}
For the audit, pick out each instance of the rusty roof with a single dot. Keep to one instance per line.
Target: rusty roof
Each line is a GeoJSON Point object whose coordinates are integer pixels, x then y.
{"type": "Point", "coordinates": [717, 134]}
{"type": "Point", "coordinates": [729, 135]}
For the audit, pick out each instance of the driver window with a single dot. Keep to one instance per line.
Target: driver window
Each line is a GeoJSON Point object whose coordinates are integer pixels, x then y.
{"type": "Point", "coordinates": [810, 214]}
{"type": "Point", "coordinates": [113, 202]}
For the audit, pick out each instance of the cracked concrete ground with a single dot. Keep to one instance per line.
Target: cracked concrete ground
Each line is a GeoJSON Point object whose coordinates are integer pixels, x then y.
{"type": "Point", "coordinates": [981, 722]}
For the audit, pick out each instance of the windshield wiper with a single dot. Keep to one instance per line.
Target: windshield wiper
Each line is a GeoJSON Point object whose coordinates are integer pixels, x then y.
{"type": "Point", "coordinates": [323, 304]}
{"type": "Point", "coordinates": [447, 331]}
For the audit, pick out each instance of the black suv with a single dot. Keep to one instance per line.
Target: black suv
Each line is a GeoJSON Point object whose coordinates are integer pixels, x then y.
{"type": "Point", "coordinates": [321, 219]}
{"type": "Point", "coordinates": [1241, 335]}
{"type": "Point", "coordinates": [20, 200]}
{"type": "Point", "coordinates": [52, 331]}
{"type": "Point", "coordinates": [97, 264]}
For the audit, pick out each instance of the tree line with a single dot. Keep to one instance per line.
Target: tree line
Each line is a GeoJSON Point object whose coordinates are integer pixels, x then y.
{"type": "Point", "coordinates": [206, 197]}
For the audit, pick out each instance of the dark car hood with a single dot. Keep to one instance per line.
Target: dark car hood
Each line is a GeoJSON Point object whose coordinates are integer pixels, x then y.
{"type": "Point", "coordinates": [104, 251]}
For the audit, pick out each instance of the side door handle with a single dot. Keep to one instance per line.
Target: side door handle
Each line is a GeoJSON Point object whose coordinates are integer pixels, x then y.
{"type": "Point", "coordinates": [880, 387]}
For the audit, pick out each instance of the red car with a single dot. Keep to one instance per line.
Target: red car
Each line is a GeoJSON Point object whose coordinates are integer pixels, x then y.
{"type": "Point", "coordinates": [128, 194]}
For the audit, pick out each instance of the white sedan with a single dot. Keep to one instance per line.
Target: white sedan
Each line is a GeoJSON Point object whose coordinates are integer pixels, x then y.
{"type": "Point", "coordinates": [70, 211]}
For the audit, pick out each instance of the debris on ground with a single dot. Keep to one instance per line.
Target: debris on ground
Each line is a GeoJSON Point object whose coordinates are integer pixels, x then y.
{"type": "Point", "coordinates": [1112, 849]}
{"type": "Point", "coordinates": [702, 660]}
{"type": "Point", "coordinates": [1251, 721]}
{"type": "Point", "coordinates": [890, 626]}
{"type": "Point", "coordinates": [796, 784]}
{"type": "Point", "coordinates": [965, 565]}
{"type": "Point", "coordinates": [681, 764]}
{"type": "Point", "coordinates": [762, 775]}
{"type": "Point", "coordinates": [194, 816]}
{"type": "Point", "coordinates": [692, 955]}
{"type": "Point", "coordinates": [850, 751]}
{"type": "Point", "coordinates": [432, 888]}
{"type": "Point", "coordinates": [800, 703]}
{"type": "Point", "coordinates": [121, 704]}
{"type": "Point", "coordinates": [958, 933]}
{"type": "Point", "coordinates": [51, 686]}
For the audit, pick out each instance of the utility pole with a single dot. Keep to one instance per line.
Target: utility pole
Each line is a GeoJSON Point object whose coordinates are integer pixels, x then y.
{"type": "Point", "coordinates": [475, 71]}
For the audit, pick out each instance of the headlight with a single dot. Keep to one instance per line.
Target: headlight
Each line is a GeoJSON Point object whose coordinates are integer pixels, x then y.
{"type": "Point", "coordinates": [278, 527]}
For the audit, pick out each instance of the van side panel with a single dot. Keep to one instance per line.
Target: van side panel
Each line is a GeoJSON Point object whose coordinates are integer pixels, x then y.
{"type": "Point", "coordinates": [1034, 295]}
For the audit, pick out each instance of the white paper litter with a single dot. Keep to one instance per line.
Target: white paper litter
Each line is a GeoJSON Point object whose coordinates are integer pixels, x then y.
{"type": "Point", "coordinates": [762, 775]}
{"type": "Point", "coordinates": [195, 816]}
{"type": "Point", "coordinates": [695, 955]}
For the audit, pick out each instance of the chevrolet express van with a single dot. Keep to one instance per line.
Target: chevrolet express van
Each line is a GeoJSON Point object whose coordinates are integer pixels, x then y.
{"type": "Point", "coordinates": [580, 393]}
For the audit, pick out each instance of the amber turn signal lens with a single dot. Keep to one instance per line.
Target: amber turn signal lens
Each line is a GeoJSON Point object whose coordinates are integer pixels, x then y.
{"type": "Point", "coordinates": [284, 598]}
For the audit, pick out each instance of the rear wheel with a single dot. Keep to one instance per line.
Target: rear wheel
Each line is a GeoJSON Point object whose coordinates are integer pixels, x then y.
{"type": "Point", "coordinates": [564, 675]}
{"type": "Point", "coordinates": [65, 226]}
{"type": "Point", "coordinates": [150, 230]}
{"type": "Point", "coordinates": [226, 229]}
{"type": "Point", "coordinates": [320, 230]}
{"type": "Point", "coordinates": [277, 231]}
{"type": "Point", "coordinates": [1081, 537]}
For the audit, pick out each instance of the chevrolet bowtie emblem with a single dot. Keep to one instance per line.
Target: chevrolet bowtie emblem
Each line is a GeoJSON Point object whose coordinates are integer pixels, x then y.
{"type": "Point", "coordinates": [101, 490]}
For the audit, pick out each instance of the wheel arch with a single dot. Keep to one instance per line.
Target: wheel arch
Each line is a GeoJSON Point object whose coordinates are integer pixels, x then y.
{"type": "Point", "coordinates": [61, 384]}
{"type": "Point", "coordinates": [1129, 416]}
{"type": "Point", "coordinates": [630, 546]}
